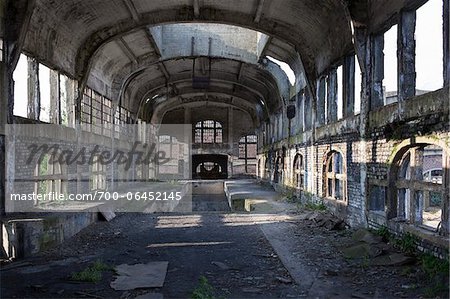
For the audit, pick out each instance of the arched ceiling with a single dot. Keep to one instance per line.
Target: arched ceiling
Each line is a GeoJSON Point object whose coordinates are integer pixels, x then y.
{"type": "Point", "coordinates": [68, 33]}
{"type": "Point", "coordinates": [132, 50]}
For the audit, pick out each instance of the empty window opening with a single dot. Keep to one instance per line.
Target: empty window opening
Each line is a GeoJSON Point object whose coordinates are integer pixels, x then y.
{"type": "Point", "coordinates": [247, 152]}
{"type": "Point", "coordinates": [44, 89]}
{"type": "Point", "coordinates": [335, 178]}
{"type": "Point", "coordinates": [20, 77]}
{"type": "Point", "coordinates": [390, 66]}
{"type": "Point", "coordinates": [299, 172]}
{"type": "Point", "coordinates": [358, 81]}
{"type": "Point", "coordinates": [286, 69]}
{"type": "Point", "coordinates": [278, 172]}
{"type": "Point", "coordinates": [208, 131]}
{"type": "Point", "coordinates": [420, 191]}
{"type": "Point", "coordinates": [340, 92]}
{"type": "Point", "coordinates": [429, 47]}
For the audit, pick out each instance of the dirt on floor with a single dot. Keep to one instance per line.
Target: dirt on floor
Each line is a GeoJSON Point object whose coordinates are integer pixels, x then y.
{"type": "Point", "coordinates": [222, 255]}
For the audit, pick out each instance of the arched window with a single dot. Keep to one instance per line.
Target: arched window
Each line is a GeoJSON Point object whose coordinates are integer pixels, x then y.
{"type": "Point", "coordinates": [208, 131]}
{"type": "Point", "coordinates": [334, 177]}
{"type": "Point", "coordinates": [299, 171]}
{"type": "Point", "coordinates": [279, 166]}
{"type": "Point", "coordinates": [49, 176]}
{"type": "Point", "coordinates": [419, 192]}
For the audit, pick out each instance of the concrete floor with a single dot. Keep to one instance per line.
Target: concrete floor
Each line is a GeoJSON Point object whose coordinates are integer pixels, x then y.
{"type": "Point", "coordinates": [243, 255]}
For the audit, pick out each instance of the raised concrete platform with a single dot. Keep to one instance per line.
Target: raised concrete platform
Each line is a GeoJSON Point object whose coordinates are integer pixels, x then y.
{"type": "Point", "coordinates": [251, 196]}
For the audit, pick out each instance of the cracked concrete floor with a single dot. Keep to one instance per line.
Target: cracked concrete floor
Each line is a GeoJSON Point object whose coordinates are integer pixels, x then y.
{"type": "Point", "coordinates": [241, 255]}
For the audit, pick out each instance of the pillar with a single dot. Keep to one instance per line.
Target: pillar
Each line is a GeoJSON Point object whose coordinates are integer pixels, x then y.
{"type": "Point", "coordinates": [377, 65]}
{"type": "Point", "coordinates": [349, 86]}
{"type": "Point", "coordinates": [446, 39]}
{"type": "Point", "coordinates": [34, 97]}
{"type": "Point", "coordinates": [406, 56]}
{"type": "Point", "coordinates": [55, 103]}
{"type": "Point", "coordinates": [321, 94]}
{"type": "Point", "coordinates": [332, 97]}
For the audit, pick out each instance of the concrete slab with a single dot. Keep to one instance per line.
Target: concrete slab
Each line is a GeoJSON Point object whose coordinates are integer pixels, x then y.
{"type": "Point", "coordinates": [150, 275]}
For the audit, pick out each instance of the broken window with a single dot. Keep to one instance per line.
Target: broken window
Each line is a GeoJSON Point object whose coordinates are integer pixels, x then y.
{"type": "Point", "coordinates": [420, 191]}
{"type": "Point", "coordinates": [96, 112]}
{"type": "Point", "coordinates": [429, 47]}
{"type": "Point", "coordinates": [390, 66]}
{"type": "Point", "coordinates": [340, 92]}
{"type": "Point", "coordinates": [299, 171]}
{"type": "Point", "coordinates": [358, 82]}
{"type": "Point", "coordinates": [44, 90]}
{"type": "Point", "coordinates": [20, 77]}
{"type": "Point", "coordinates": [49, 176]}
{"type": "Point", "coordinates": [335, 178]}
{"type": "Point", "coordinates": [208, 131]}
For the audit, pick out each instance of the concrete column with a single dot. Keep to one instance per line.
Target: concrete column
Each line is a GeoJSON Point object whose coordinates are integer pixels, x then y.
{"type": "Point", "coordinates": [349, 86]}
{"type": "Point", "coordinates": [300, 112]}
{"type": "Point", "coordinates": [321, 94]}
{"type": "Point", "coordinates": [406, 55]}
{"type": "Point", "coordinates": [230, 127]}
{"type": "Point", "coordinates": [4, 83]}
{"type": "Point", "coordinates": [308, 110]}
{"type": "Point", "coordinates": [332, 97]}
{"type": "Point", "coordinates": [55, 103]}
{"type": "Point", "coordinates": [187, 115]}
{"type": "Point", "coordinates": [70, 92]}
{"type": "Point", "coordinates": [446, 39]}
{"type": "Point", "coordinates": [34, 95]}
{"type": "Point", "coordinates": [377, 71]}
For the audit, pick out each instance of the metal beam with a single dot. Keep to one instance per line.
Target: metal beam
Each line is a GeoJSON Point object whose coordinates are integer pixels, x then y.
{"type": "Point", "coordinates": [132, 9]}
{"type": "Point", "coordinates": [126, 50]}
{"type": "Point", "coordinates": [259, 10]}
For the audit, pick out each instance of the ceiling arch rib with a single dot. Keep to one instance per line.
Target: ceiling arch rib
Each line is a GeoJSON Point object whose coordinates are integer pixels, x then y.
{"type": "Point", "coordinates": [259, 84]}
{"type": "Point", "coordinates": [238, 96]}
{"type": "Point", "coordinates": [198, 100]}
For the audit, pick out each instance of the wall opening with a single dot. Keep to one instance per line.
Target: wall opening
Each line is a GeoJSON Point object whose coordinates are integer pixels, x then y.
{"type": "Point", "coordinates": [429, 47]}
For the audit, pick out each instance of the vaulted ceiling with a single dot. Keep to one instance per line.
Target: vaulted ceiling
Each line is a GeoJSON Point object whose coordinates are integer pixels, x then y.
{"type": "Point", "coordinates": [135, 50]}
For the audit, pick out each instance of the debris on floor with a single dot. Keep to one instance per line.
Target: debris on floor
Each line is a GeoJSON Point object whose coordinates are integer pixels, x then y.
{"type": "Point", "coordinates": [370, 247]}
{"type": "Point", "coordinates": [325, 219]}
{"type": "Point", "coordinates": [150, 275]}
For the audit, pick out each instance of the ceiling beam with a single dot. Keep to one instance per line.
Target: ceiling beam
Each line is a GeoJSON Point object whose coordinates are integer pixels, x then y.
{"type": "Point", "coordinates": [152, 42]}
{"type": "Point", "coordinates": [132, 9]}
{"type": "Point", "coordinates": [266, 46]}
{"type": "Point", "coordinates": [163, 70]}
{"type": "Point", "coordinates": [126, 50]}
{"type": "Point", "coordinates": [259, 10]}
{"type": "Point", "coordinates": [196, 8]}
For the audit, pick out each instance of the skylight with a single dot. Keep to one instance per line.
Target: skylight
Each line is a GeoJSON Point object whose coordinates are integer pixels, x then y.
{"type": "Point", "coordinates": [207, 39]}
{"type": "Point", "coordinates": [286, 69]}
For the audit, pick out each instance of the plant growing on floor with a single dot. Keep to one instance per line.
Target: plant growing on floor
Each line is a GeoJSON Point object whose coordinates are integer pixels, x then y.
{"type": "Point", "coordinates": [92, 273]}
{"type": "Point", "coordinates": [407, 243]}
{"type": "Point", "coordinates": [383, 232]}
{"type": "Point", "coordinates": [204, 290]}
{"type": "Point", "coordinates": [437, 275]}
{"type": "Point", "coordinates": [315, 206]}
